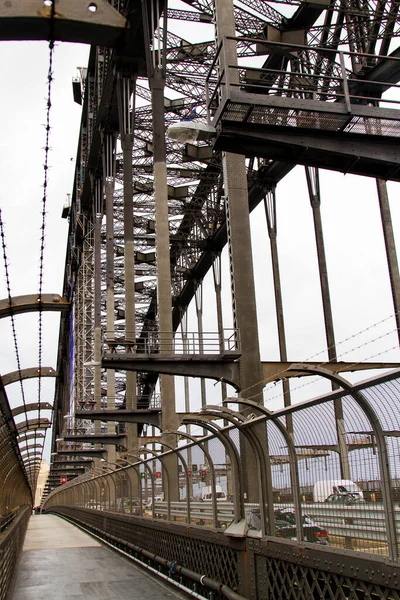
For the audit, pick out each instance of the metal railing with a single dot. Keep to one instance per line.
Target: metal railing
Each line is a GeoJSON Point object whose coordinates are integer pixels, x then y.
{"type": "Point", "coordinates": [11, 541]}
{"type": "Point", "coordinates": [158, 342]}
{"type": "Point", "coordinates": [269, 465]}
{"type": "Point", "coordinates": [301, 95]}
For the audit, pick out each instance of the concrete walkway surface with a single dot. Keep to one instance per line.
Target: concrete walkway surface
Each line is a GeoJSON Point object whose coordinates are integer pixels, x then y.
{"type": "Point", "coordinates": [59, 561]}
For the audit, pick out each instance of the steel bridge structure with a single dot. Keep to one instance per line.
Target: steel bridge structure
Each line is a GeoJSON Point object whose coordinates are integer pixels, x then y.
{"type": "Point", "coordinates": [193, 112]}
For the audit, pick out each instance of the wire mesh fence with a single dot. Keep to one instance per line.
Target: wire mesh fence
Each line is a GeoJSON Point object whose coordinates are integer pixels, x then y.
{"type": "Point", "coordinates": [325, 472]}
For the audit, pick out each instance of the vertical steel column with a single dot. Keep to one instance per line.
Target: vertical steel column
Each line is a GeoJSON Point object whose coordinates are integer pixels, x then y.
{"type": "Point", "coordinates": [240, 254]}
{"type": "Point", "coordinates": [156, 61]}
{"type": "Point", "coordinates": [199, 313]}
{"type": "Point", "coordinates": [390, 247]}
{"type": "Point", "coordinates": [98, 210]}
{"type": "Point", "coordinates": [78, 340]}
{"type": "Point", "coordinates": [184, 327]}
{"type": "Point", "coordinates": [238, 227]}
{"type": "Point", "coordinates": [126, 87]}
{"type": "Point", "coordinates": [88, 281]}
{"type": "Point", "coordinates": [312, 175]}
{"type": "Point", "coordinates": [109, 140]}
{"type": "Point", "coordinates": [216, 267]}
{"type": "Point", "coordinates": [164, 296]}
{"type": "Point", "coordinates": [270, 212]}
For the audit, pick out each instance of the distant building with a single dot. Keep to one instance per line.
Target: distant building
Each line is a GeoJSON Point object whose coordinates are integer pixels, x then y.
{"type": "Point", "coordinates": [42, 478]}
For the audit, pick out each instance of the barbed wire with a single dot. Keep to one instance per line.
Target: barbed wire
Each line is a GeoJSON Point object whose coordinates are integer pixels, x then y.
{"type": "Point", "coordinates": [281, 373]}
{"type": "Point", "coordinates": [12, 319]}
{"type": "Point", "coordinates": [43, 214]}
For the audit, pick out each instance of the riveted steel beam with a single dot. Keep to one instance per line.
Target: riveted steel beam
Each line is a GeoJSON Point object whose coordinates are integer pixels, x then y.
{"type": "Point", "coordinates": [33, 424]}
{"type": "Point", "coordinates": [29, 407]}
{"type": "Point", "coordinates": [94, 453]}
{"type": "Point", "coordinates": [144, 416]}
{"type": "Point", "coordinates": [71, 463]}
{"type": "Point", "coordinates": [72, 21]}
{"type": "Point", "coordinates": [106, 438]}
{"type": "Point", "coordinates": [274, 370]}
{"type": "Point", "coordinates": [15, 376]}
{"type": "Point", "coordinates": [371, 156]}
{"type": "Point", "coordinates": [26, 449]}
{"type": "Point", "coordinates": [31, 303]}
{"type": "Point", "coordinates": [22, 439]}
{"type": "Point", "coordinates": [212, 367]}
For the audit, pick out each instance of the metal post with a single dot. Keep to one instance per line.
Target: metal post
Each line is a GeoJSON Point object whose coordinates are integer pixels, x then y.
{"type": "Point", "coordinates": [109, 174]}
{"type": "Point", "coordinates": [156, 61]}
{"type": "Point", "coordinates": [239, 246]}
{"type": "Point", "coordinates": [98, 209]}
{"type": "Point", "coordinates": [270, 212]}
{"type": "Point", "coordinates": [125, 90]}
{"type": "Point", "coordinates": [184, 325]}
{"type": "Point", "coordinates": [390, 247]}
{"type": "Point", "coordinates": [199, 313]}
{"type": "Point", "coordinates": [315, 199]}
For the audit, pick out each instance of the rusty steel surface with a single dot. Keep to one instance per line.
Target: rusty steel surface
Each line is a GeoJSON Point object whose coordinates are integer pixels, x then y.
{"type": "Point", "coordinates": [14, 376]}
{"type": "Point", "coordinates": [11, 542]}
{"type": "Point", "coordinates": [32, 302]}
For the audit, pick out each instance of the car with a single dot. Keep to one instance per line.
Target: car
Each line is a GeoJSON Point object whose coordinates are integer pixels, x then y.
{"type": "Point", "coordinates": [285, 526]}
{"type": "Point", "coordinates": [128, 506]}
{"type": "Point", "coordinates": [347, 499]}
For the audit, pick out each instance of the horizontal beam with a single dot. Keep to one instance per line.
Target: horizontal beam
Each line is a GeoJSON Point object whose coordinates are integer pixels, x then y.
{"type": "Point", "coordinates": [367, 155]}
{"type": "Point", "coordinates": [30, 407]}
{"type": "Point", "coordinates": [29, 373]}
{"type": "Point", "coordinates": [107, 439]}
{"type": "Point", "coordinates": [22, 439]}
{"type": "Point", "coordinates": [71, 463]}
{"type": "Point", "coordinates": [30, 446]}
{"type": "Point", "coordinates": [73, 22]}
{"type": "Point", "coordinates": [32, 424]}
{"type": "Point", "coordinates": [144, 416]}
{"type": "Point", "coordinates": [32, 302]}
{"type": "Point", "coordinates": [94, 453]}
{"type": "Point", "coordinates": [212, 367]}
{"type": "Point", "coordinates": [275, 370]}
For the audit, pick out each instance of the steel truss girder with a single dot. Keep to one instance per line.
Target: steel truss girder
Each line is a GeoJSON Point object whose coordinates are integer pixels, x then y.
{"type": "Point", "coordinates": [273, 371]}
{"type": "Point", "coordinates": [92, 453]}
{"type": "Point", "coordinates": [106, 439]}
{"type": "Point", "coordinates": [143, 416]}
{"type": "Point", "coordinates": [212, 367]}
{"type": "Point", "coordinates": [71, 463]}
{"type": "Point", "coordinates": [368, 155]}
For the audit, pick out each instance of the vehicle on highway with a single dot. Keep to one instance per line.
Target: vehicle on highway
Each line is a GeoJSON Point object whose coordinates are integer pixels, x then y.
{"type": "Point", "coordinates": [128, 506]}
{"type": "Point", "coordinates": [324, 488]}
{"type": "Point", "coordinates": [347, 499]}
{"type": "Point", "coordinates": [94, 505]}
{"type": "Point", "coordinates": [206, 493]}
{"type": "Point", "coordinates": [285, 526]}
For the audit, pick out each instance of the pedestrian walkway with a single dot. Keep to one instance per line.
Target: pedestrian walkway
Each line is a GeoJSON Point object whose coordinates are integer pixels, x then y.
{"type": "Point", "coordinates": [59, 561]}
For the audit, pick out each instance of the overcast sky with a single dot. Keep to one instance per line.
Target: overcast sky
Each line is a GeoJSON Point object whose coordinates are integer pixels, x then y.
{"type": "Point", "coordinates": [354, 244]}
{"type": "Point", "coordinates": [23, 73]}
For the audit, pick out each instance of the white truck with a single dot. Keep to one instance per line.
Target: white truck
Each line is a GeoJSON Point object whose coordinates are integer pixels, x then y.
{"type": "Point", "coordinates": [206, 493]}
{"type": "Point", "coordinates": [324, 488]}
